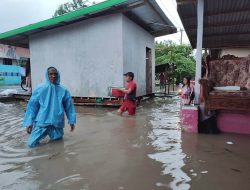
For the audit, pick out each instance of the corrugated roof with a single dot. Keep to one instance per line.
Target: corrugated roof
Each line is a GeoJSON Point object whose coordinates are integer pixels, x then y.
{"type": "Point", "coordinates": [146, 13]}
{"type": "Point", "coordinates": [226, 22]}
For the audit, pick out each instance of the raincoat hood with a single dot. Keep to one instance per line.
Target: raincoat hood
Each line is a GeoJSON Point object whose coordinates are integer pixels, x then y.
{"type": "Point", "coordinates": [58, 80]}
{"type": "Point", "coordinates": [48, 104]}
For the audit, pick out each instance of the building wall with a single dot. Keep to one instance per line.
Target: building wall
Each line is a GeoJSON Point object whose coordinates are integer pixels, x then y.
{"type": "Point", "coordinates": [93, 55]}
{"type": "Point", "coordinates": [238, 52]}
{"type": "Point", "coordinates": [10, 75]}
{"type": "Point", "coordinates": [135, 41]}
{"type": "Point", "coordinates": [14, 61]}
{"type": "Point", "coordinates": [88, 55]}
{"type": "Point", "coordinates": [12, 52]}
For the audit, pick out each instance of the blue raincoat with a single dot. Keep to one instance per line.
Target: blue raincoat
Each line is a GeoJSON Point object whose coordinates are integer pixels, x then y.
{"type": "Point", "coordinates": [45, 111]}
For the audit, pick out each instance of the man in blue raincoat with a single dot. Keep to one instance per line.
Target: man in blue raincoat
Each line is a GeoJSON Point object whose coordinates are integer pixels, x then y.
{"type": "Point", "coordinates": [45, 111]}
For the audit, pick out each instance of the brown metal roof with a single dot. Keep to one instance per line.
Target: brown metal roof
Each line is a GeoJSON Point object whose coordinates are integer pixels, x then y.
{"type": "Point", "coordinates": [226, 22]}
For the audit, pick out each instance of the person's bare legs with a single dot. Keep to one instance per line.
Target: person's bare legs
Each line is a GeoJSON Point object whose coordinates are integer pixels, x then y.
{"type": "Point", "coordinates": [119, 112]}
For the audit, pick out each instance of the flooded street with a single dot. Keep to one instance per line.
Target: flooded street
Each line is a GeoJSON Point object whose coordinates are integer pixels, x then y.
{"type": "Point", "coordinates": [108, 152]}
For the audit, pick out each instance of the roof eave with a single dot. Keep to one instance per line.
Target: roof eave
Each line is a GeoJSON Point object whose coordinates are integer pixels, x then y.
{"type": "Point", "coordinates": [20, 36]}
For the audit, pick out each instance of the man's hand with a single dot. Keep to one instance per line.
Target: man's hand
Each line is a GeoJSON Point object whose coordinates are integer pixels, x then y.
{"type": "Point", "coordinates": [72, 127]}
{"type": "Point", "coordinates": [128, 91]}
{"type": "Point", "coordinates": [29, 129]}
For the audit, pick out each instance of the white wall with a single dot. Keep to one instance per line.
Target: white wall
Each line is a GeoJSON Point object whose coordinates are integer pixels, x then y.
{"type": "Point", "coordinates": [238, 52]}
{"type": "Point", "coordinates": [88, 55]}
{"type": "Point", "coordinates": [92, 55]}
{"type": "Point", "coordinates": [135, 41]}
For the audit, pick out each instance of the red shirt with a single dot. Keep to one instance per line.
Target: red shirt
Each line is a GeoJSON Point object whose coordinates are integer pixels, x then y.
{"type": "Point", "coordinates": [132, 96]}
{"type": "Point", "coordinates": [162, 78]}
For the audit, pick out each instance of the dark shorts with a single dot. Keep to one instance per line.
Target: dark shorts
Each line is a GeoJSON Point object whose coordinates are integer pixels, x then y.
{"type": "Point", "coordinates": [129, 106]}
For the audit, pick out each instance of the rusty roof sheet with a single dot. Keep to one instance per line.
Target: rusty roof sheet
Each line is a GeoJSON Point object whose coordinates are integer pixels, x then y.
{"type": "Point", "coordinates": [226, 22]}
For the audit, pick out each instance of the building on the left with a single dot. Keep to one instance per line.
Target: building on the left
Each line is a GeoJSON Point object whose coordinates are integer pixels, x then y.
{"type": "Point", "coordinates": [13, 64]}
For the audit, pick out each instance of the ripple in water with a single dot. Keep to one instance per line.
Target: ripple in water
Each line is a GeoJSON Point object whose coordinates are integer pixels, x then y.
{"type": "Point", "coordinates": [14, 154]}
{"type": "Point", "coordinates": [166, 139]}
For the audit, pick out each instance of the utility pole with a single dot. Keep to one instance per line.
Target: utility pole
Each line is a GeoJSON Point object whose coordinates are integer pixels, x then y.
{"type": "Point", "coordinates": [170, 63]}
{"type": "Point", "coordinates": [173, 80]}
{"type": "Point", "coordinates": [200, 24]}
{"type": "Point", "coordinates": [165, 77]}
{"type": "Point", "coordinates": [181, 34]}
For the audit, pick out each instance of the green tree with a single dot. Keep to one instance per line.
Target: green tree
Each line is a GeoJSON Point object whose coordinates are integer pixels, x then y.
{"type": "Point", "coordinates": [180, 55]}
{"type": "Point", "coordinates": [71, 6]}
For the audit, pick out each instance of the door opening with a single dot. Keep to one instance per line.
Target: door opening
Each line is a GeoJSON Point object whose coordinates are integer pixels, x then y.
{"type": "Point", "coordinates": [148, 70]}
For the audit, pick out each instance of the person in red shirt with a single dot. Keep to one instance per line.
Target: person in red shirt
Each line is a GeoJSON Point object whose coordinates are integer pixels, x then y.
{"type": "Point", "coordinates": [129, 103]}
{"type": "Point", "coordinates": [162, 80]}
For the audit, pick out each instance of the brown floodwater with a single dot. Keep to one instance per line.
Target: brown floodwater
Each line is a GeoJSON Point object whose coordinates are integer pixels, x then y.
{"type": "Point", "coordinates": [109, 152]}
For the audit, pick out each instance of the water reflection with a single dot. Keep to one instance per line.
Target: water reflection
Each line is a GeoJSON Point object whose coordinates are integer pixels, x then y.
{"type": "Point", "coordinates": [14, 156]}
{"type": "Point", "coordinates": [21, 167]}
{"type": "Point", "coordinates": [166, 139]}
{"type": "Point", "coordinates": [108, 152]}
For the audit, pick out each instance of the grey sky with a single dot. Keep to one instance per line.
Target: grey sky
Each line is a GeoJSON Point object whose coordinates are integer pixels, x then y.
{"type": "Point", "coordinates": [17, 13]}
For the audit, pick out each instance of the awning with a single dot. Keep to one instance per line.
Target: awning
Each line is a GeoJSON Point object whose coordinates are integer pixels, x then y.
{"type": "Point", "coordinates": [145, 13]}
{"type": "Point", "coordinates": [160, 68]}
{"type": "Point", "coordinates": [226, 22]}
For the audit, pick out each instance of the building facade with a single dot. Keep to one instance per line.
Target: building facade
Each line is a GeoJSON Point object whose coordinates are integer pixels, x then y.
{"type": "Point", "coordinates": [11, 61]}
{"type": "Point", "coordinates": [93, 47]}
{"type": "Point", "coordinates": [93, 55]}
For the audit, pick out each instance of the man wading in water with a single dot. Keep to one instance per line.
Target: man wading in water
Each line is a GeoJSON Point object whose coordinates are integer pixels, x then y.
{"type": "Point", "coordinates": [45, 111]}
{"type": "Point", "coordinates": [129, 103]}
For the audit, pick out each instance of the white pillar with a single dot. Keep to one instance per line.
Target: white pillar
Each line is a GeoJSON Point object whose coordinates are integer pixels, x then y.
{"type": "Point", "coordinates": [200, 16]}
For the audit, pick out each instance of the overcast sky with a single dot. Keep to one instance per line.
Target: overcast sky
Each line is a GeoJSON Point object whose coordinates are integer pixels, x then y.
{"type": "Point", "coordinates": [17, 13]}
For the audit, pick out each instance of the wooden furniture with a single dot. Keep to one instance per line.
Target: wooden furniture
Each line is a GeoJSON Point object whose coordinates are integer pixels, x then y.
{"type": "Point", "coordinates": [227, 71]}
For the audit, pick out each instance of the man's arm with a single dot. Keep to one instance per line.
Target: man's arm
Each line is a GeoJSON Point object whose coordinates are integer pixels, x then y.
{"type": "Point", "coordinates": [70, 110]}
{"type": "Point", "coordinates": [31, 112]}
{"type": "Point", "coordinates": [128, 91]}
{"type": "Point", "coordinates": [131, 88]}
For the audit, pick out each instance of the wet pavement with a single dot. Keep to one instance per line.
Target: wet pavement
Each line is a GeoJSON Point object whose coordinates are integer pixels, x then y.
{"type": "Point", "coordinates": [18, 88]}
{"type": "Point", "coordinates": [108, 152]}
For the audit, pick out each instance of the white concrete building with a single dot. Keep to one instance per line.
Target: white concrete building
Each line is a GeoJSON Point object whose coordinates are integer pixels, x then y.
{"type": "Point", "coordinates": [94, 46]}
